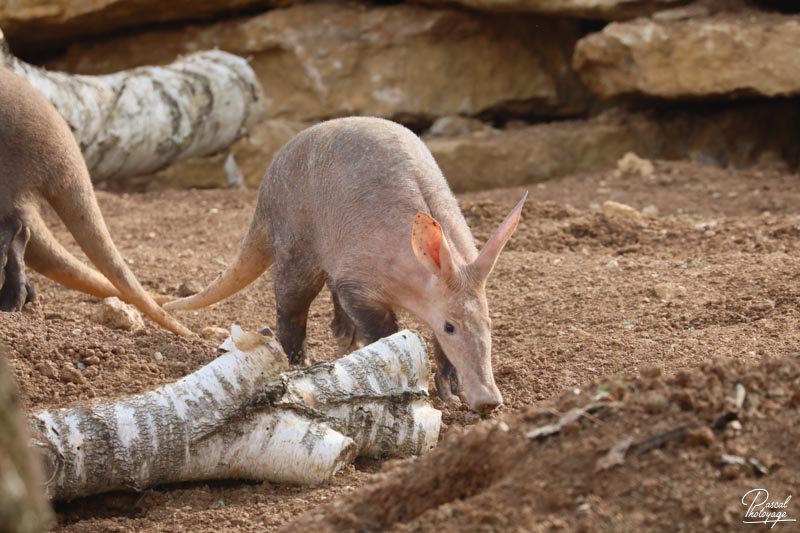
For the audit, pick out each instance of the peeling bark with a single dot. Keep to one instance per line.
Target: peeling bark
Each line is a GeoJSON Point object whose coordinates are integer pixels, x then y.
{"type": "Point", "coordinates": [242, 417]}
{"type": "Point", "coordinates": [141, 120]}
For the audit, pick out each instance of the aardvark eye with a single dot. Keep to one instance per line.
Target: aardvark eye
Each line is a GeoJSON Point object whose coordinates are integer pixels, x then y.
{"type": "Point", "coordinates": [449, 328]}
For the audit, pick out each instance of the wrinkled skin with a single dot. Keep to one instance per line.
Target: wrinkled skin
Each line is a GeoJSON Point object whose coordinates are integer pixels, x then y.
{"type": "Point", "coordinates": [359, 204]}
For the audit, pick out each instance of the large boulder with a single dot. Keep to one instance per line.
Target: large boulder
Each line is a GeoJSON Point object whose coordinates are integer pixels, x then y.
{"type": "Point", "coordinates": [32, 24]}
{"type": "Point", "coordinates": [747, 53]}
{"type": "Point", "coordinates": [402, 61]}
{"type": "Point", "coordinates": [475, 156]}
{"type": "Point", "coordinates": [590, 9]}
{"type": "Point", "coordinates": [736, 136]}
{"type": "Point", "coordinates": [484, 160]}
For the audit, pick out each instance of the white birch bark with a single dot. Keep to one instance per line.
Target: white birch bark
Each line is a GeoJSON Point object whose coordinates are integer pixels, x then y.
{"type": "Point", "coordinates": [241, 417]}
{"type": "Point", "coordinates": [141, 120]}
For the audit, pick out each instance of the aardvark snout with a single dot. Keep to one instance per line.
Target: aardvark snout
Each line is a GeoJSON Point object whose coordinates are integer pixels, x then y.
{"type": "Point", "coordinates": [482, 398]}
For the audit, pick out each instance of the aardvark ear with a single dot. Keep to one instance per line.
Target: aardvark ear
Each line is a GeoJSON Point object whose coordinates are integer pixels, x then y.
{"type": "Point", "coordinates": [486, 259]}
{"type": "Point", "coordinates": [430, 246]}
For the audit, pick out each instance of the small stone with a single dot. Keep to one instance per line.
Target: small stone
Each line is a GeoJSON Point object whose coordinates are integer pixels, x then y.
{"type": "Point", "coordinates": [47, 369]}
{"type": "Point", "coordinates": [655, 402]}
{"type": "Point", "coordinates": [70, 374]}
{"type": "Point", "coordinates": [669, 291]}
{"type": "Point", "coordinates": [188, 288]}
{"type": "Point", "coordinates": [701, 437]}
{"type": "Point", "coordinates": [471, 418]}
{"type": "Point", "coordinates": [158, 356]}
{"type": "Point", "coordinates": [454, 402]}
{"type": "Point", "coordinates": [91, 360]}
{"type": "Point", "coordinates": [650, 211]}
{"type": "Point", "coordinates": [617, 211]}
{"type": "Point", "coordinates": [650, 371]}
{"type": "Point", "coordinates": [612, 264]}
{"type": "Point", "coordinates": [116, 314]}
{"type": "Point", "coordinates": [776, 392]}
{"type": "Point", "coordinates": [632, 164]}
{"type": "Point", "coordinates": [91, 372]}
{"type": "Point", "coordinates": [214, 333]}
{"type": "Point", "coordinates": [684, 399]}
{"type": "Point", "coordinates": [731, 471]}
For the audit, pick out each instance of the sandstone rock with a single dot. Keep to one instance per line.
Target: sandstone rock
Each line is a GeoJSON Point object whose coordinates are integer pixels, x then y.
{"type": "Point", "coordinates": [540, 152]}
{"type": "Point", "coordinates": [70, 374]}
{"type": "Point", "coordinates": [214, 333]}
{"type": "Point", "coordinates": [403, 61]}
{"type": "Point", "coordinates": [655, 402]}
{"type": "Point", "coordinates": [39, 23]}
{"type": "Point", "coordinates": [650, 211]}
{"type": "Point", "coordinates": [591, 9]}
{"type": "Point", "coordinates": [188, 288]}
{"type": "Point", "coordinates": [91, 360]}
{"type": "Point", "coordinates": [47, 369]}
{"type": "Point", "coordinates": [747, 53]}
{"type": "Point", "coordinates": [702, 436]}
{"type": "Point", "coordinates": [632, 164]}
{"type": "Point", "coordinates": [617, 211]}
{"type": "Point", "coordinates": [737, 136]}
{"type": "Point", "coordinates": [669, 291]}
{"type": "Point", "coordinates": [116, 314]}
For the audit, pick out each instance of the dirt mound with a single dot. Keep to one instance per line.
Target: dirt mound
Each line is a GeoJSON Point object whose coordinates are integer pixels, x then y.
{"type": "Point", "coordinates": [636, 459]}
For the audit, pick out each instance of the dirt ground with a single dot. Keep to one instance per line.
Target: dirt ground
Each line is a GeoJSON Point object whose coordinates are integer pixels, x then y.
{"type": "Point", "coordinates": [576, 311]}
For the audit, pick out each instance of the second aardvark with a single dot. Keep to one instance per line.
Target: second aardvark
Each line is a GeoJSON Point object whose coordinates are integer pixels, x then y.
{"type": "Point", "coordinates": [360, 203]}
{"type": "Point", "coordinates": [41, 161]}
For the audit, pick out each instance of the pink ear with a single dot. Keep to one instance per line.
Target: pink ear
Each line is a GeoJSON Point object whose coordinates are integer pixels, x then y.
{"type": "Point", "coordinates": [430, 245]}
{"type": "Point", "coordinates": [487, 257]}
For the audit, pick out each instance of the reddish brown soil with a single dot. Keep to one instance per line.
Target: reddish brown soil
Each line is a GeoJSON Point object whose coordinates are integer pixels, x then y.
{"type": "Point", "coordinates": [572, 300]}
{"type": "Point", "coordinates": [673, 476]}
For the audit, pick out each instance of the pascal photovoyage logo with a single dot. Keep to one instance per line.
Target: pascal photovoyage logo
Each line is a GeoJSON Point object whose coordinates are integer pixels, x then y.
{"type": "Point", "coordinates": [762, 510]}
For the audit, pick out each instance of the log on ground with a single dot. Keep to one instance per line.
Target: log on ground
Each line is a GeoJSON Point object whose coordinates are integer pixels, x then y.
{"type": "Point", "coordinates": [141, 120]}
{"type": "Point", "coordinates": [243, 416]}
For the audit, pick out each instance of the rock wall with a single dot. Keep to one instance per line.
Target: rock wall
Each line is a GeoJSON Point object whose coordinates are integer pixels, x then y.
{"type": "Point", "coordinates": [747, 53]}
{"type": "Point", "coordinates": [42, 24]}
{"type": "Point", "coordinates": [505, 92]}
{"type": "Point", "coordinates": [401, 61]}
{"type": "Point", "coordinates": [589, 9]}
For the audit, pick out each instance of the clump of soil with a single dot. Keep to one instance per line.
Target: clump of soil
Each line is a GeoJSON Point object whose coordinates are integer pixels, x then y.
{"type": "Point", "coordinates": [692, 445]}
{"type": "Point", "coordinates": [574, 296]}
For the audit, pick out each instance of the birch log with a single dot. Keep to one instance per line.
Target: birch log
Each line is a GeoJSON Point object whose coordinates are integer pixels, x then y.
{"type": "Point", "coordinates": [241, 416]}
{"type": "Point", "coordinates": [141, 120]}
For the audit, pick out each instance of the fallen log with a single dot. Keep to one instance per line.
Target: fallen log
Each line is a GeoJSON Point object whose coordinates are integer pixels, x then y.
{"type": "Point", "coordinates": [141, 120]}
{"type": "Point", "coordinates": [243, 416]}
